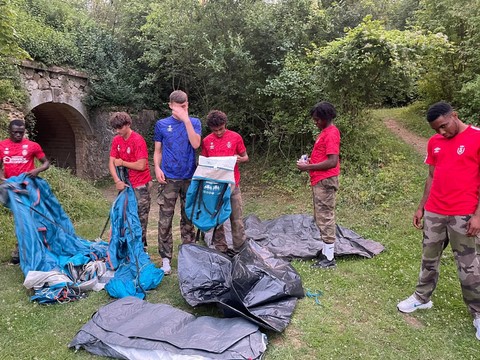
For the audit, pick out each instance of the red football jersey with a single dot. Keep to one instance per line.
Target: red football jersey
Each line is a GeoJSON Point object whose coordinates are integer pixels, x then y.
{"type": "Point", "coordinates": [19, 157]}
{"type": "Point", "coordinates": [327, 143]}
{"type": "Point", "coordinates": [456, 178]}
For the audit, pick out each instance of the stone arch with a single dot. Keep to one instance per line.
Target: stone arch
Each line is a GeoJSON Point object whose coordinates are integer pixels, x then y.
{"type": "Point", "coordinates": [62, 131]}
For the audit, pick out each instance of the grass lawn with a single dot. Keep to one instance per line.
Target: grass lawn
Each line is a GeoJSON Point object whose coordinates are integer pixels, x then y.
{"type": "Point", "coordinates": [357, 316]}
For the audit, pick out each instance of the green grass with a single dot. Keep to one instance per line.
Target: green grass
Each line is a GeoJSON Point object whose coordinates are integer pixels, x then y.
{"type": "Point", "coordinates": [357, 318]}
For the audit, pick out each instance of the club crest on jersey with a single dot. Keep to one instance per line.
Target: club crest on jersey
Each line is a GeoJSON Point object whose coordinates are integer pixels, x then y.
{"type": "Point", "coordinates": [128, 150]}
{"type": "Point", "coordinates": [461, 150]}
{"type": "Point", "coordinates": [169, 128]}
{"type": "Point", "coordinates": [24, 152]}
{"type": "Point", "coordinates": [229, 144]}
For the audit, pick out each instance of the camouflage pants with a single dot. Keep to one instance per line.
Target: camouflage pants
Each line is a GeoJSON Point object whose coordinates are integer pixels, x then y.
{"type": "Point", "coordinates": [324, 207]}
{"type": "Point", "coordinates": [238, 228]}
{"type": "Point", "coordinates": [142, 193]}
{"type": "Point", "coordinates": [167, 198]}
{"type": "Point", "coordinates": [438, 229]}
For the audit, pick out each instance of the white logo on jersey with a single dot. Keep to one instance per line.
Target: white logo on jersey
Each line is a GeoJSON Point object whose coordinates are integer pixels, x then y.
{"type": "Point", "coordinates": [229, 144]}
{"type": "Point", "coordinates": [436, 150]}
{"type": "Point", "coordinates": [212, 146]}
{"type": "Point", "coordinates": [128, 150]}
{"type": "Point", "coordinates": [169, 129]}
{"type": "Point", "coordinates": [461, 150]}
{"type": "Point", "coordinates": [14, 160]}
{"type": "Point", "coordinates": [24, 152]}
{"type": "Point", "coordinates": [6, 151]}
{"type": "Point", "coordinates": [118, 147]}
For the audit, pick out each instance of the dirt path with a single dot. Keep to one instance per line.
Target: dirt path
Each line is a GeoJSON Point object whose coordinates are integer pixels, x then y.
{"type": "Point", "coordinates": [419, 143]}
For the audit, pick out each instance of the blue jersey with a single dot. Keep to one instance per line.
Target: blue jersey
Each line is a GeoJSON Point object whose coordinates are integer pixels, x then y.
{"type": "Point", "coordinates": [178, 155]}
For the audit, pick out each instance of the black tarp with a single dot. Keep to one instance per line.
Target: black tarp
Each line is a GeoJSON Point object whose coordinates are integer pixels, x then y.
{"type": "Point", "coordinates": [297, 236]}
{"type": "Point", "coordinates": [131, 328]}
{"type": "Point", "coordinates": [254, 284]}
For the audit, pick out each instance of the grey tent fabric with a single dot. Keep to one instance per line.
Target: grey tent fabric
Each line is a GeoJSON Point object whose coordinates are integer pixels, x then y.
{"type": "Point", "coordinates": [254, 284]}
{"type": "Point", "coordinates": [297, 236]}
{"type": "Point", "coordinates": [130, 328]}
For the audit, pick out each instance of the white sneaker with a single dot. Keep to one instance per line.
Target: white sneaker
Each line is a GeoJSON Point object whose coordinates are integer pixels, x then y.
{"type": "Point", "coordinates": [476, 323]}
{"type": "Point", "coordinates": [411, 304]}
{"type": "Point", "coordinates": [167, 269]}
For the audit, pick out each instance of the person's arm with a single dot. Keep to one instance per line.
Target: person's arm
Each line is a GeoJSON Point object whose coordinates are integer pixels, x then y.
{"type": "Point", "coordinates": [157, 161]}
{"type": "Point", "coordinates": [2, 174]}
{"type": "Point", "coordinates": [331, 162]}
{"type": "Point", "coordinates": [136, 165]}
{"type": "Point", "coordinates": [418, 216]}
{"type": "Point", "coordinates": [243, 157]}
{"type": "Point", "coordinates": [181, 113]}
{"type": "Point", "coordinates": [45, 165]}
{"type": "Point", "coordinates": [473, 225]}
{"type": "Point", "coordinates": [119, 184]}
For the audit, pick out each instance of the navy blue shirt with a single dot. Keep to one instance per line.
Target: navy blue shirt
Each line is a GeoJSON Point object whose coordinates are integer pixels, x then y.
{"type": "Point", "coordinates": [178, 155]}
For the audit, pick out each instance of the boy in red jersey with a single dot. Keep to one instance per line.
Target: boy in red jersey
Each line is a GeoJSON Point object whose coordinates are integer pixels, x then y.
{"type": "Point", "coordinates": [224, 142]}
{"type": "Point", "coordinates": [17, 156]}
{"type": "Point", "coordinates": [129, 149]}
{"type": "Point", "coordinates": [450, 210]}
{"type": "Point", "coordinates": [324, 168]}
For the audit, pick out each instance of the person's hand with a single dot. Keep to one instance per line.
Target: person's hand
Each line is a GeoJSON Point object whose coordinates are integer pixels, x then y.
{"type": "Point", "coordinates": [160, 176]}
{"type": "Point", "coordinates": [302, 165]}
{"type": "Point", "coordinates": [118, 162]}
{"type": "Point", "coordinates": [417, 219]}
{"type": "Point", "coordinates": [473, 226]}
{"type": "Point", "coordinates": [33, 173]}
{"type": "Point", "coordinates": [120, 185]}
{"type": "Point", "coordinates": [180, 112]}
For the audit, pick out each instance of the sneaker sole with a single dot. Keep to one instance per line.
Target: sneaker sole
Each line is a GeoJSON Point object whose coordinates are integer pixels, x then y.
{"type": "Point", "coordinates": [419, 307]}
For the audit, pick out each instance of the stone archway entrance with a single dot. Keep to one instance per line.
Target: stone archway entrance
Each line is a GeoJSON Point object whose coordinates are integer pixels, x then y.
{"type": "Point", "coordinates": [55, 134]}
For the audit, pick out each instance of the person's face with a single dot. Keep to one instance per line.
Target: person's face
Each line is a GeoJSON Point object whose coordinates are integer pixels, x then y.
{"type": "Point", "coordinates": [16, 133]}
{"type": "Point", "coordinates": [218, 130]}
{"type": "Point", "coordinates": [123, 131]}
{"type": "Point", "coordinates": [320, 123]}
{"type": "Point", "coordinates": [175, 105]}
{"type": "Point", "coordinates": [446, 125]}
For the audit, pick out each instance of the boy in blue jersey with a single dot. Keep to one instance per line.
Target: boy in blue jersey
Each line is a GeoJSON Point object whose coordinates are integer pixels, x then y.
{"type": "Point", "coordinates": [176, 139]}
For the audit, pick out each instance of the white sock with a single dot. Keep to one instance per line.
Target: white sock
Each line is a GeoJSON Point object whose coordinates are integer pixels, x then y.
{"type": "Point", "coordinates": [328, 250]}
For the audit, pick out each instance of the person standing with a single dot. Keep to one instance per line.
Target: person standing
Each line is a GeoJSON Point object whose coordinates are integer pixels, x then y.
{"type": "Point", "coordinates": [129, 150]}
{"type": "Point", "coordinates": [176, 138]}
{"type": "Point", "coordinates": [324, 168]}
{"type": "Point", "coordinates": [224, 142]}
{"type": "Point", "coordinates": [17, 156]}
{"type": "Point", "coordinates": [450, 210]}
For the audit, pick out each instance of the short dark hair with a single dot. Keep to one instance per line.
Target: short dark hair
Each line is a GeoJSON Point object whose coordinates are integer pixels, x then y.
{"type": "Point", "coordinates": [324, 110]}
{"type": "Point", "coordinates": [438, 109]}
{"type": "Point", "coordinates": [178, 96]}
{"type": "Point", "coordinates": [120, 119]}
{"type": "Point", "coordinates": [216, 118]}
{"type": "Point", "coordinates": [16, 122]}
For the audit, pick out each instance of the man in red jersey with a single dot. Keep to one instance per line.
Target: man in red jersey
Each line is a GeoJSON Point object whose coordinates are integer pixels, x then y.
{"type": "Point", "coordinates": [450, 210]}
{"type": "Point", "coordinates": [17, 156]}
{"type": "Point", "coordinates": [129, 150]}
{"type": "Point", "coordinates": [224, 142]}
{"type": "Point", "coordinates": [324, 168]}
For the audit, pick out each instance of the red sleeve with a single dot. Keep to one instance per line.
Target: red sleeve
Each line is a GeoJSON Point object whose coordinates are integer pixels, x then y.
{"type": "Point", "coordinates": [240, 146]}
{"type": "Point", "coordinates": [204, 148]}
{"type": "Point", "coordinates": [141, 151]}
{"type": "Point", "coordinates": [430, 158]}
{"type": "Point", "coordinates": [113, 149]}
{"type": "Point", "coordinates": [332, 143]}
{"type": "Point", "coordinates": [38, 152]}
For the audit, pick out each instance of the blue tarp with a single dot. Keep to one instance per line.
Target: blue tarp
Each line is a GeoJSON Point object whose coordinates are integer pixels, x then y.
{"type": "Point", "coordinates": [47, 240]}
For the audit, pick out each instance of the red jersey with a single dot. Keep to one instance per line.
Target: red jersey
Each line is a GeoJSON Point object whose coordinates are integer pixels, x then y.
{"type": "Point", "coordinates": [131, 150]}
{"type": "Point", "coordinates": [327, 143]}
{"type": "Point", "coordinates": [456, 179]}
{"type": "Point", "coordinates": [19, 157]}
{"type": "Point", "coordinates": [230, 144]}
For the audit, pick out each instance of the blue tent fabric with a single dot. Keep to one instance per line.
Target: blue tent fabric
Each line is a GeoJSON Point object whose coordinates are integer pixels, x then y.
{"type": "Point", "coordinates": [47, 239]}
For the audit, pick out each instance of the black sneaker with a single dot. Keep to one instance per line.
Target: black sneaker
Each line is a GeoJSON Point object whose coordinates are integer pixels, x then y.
{"type": "Point", "coordinates": [324, 263]}
{"type": "Point", "coordinates": [15, 260]}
